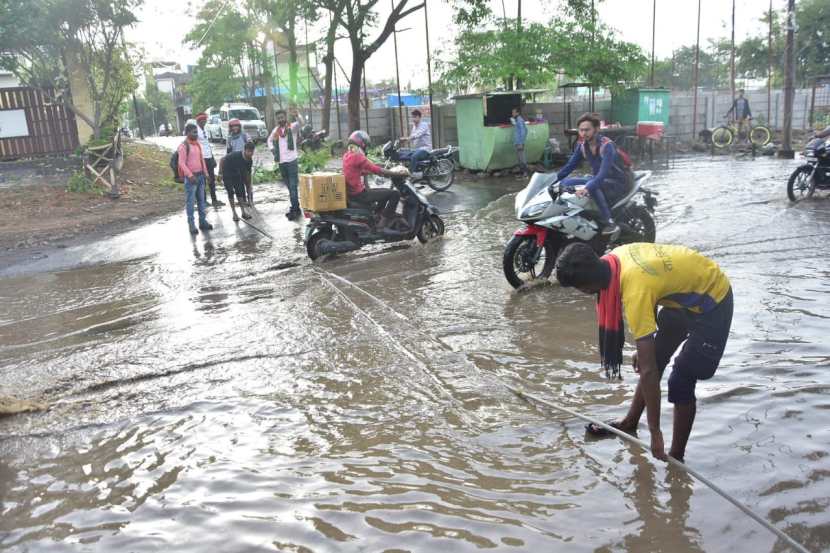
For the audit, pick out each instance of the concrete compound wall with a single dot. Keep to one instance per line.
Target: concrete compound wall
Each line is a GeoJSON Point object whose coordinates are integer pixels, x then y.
{"type": "Point", "coordinates": [712, 105]}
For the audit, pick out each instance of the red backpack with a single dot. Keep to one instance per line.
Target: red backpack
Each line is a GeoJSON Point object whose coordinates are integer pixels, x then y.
{"type": "Point", "coordinates": [623, 160]}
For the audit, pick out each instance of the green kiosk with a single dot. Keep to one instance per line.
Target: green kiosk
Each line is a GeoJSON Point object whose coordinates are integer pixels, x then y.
{"type": "Point", "coordinates": [485, 134]}
{"type": "Point", "coordinates": [636, 105]}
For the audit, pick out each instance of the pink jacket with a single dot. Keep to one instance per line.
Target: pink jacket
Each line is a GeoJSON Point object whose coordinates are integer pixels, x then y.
{"type": "Point", "coordinates": [191, 160]}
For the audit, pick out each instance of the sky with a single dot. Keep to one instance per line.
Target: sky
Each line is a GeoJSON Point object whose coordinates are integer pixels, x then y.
{"type": "Point", "coordinates": [164, 23]}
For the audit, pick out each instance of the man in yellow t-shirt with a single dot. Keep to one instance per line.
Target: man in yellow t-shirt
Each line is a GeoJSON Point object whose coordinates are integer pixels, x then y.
{"type": "Point", "coordinates": [695, 306]}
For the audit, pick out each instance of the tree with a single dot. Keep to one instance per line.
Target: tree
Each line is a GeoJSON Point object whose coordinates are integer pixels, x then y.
{"type": "Point", "coordinates": [48, 44]}
{"type": "Point", "coordinates": [213, 86]}
{"type": "Point", "coordinates": [357, 17]}
{"type": "Point", "coordinates": [812, 40]}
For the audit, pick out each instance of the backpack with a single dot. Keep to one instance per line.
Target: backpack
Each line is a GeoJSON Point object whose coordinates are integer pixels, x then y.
{"type": "Point", "coordinates": [623, 159]}
{"type": "Point", "coordinates": [174, 161]}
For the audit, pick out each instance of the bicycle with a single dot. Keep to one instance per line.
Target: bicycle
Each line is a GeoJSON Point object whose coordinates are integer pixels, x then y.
{"type": "Point", "coordinates": [725, 135]}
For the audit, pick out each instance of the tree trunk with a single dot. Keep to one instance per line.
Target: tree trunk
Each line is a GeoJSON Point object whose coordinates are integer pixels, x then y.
{"type": "Point", "coordinates": [269, 89]}
{"type": "Point", "coordinates": [293, 80]}
{"type": "Point", "coordinates": [354, 90]}
{"type": "Point", "coordinates": [328, 60]}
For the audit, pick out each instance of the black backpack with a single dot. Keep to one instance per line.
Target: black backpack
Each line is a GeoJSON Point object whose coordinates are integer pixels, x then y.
{"type": "Point", "coordinates": [174, 161]}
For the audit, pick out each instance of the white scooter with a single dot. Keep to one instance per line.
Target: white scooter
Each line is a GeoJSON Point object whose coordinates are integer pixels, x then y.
{"type": "Point", "coordinates": [555, 217]}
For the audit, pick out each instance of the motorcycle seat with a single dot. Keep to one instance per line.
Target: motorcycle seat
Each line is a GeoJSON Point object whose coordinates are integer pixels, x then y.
{"type": "Point", "coordinates": [440, 152]}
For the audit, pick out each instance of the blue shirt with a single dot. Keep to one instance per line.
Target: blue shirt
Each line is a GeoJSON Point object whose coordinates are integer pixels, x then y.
{"type": "Point", "coordinates": [519, 131]}
{"type": "Point", "coordinates": [602, 165]}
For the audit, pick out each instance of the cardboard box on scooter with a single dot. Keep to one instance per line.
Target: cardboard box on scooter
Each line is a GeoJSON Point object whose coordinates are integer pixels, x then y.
{"type": "Point", "coordinates": [322, 192]}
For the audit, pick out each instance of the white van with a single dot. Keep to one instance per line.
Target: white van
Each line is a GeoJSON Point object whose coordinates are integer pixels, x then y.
{"type": "Point", "coordinates": [249, 116]}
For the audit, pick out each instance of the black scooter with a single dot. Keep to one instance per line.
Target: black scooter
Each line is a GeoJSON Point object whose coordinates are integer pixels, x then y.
{"type": "Point", "coordinates": [437, 170]}
{"type": "Point", "coordinates": [352, 228]}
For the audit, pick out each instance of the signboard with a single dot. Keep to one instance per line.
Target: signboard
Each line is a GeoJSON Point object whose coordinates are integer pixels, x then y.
{"type": "Point", "coordinates": [13, 123]}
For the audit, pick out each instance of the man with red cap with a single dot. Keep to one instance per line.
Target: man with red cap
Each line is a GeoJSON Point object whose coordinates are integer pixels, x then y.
{"type": "Point", "coordinates": [210, 162]}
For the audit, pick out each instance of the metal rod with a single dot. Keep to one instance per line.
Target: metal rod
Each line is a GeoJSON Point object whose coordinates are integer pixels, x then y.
{"type": "Point", "coordinates": [397, 73]}
{"type": "Point", "coordinates": [653, 34]}
{"type": "Point", "coordinates": [429, 60]}
{"type": "Point", "coordinates": [672, 461]}
{"type": "Point", "coordinates": [337, 103]}
{"type": "Point", "coordinates": [769, 68]}
{"type": "Point", "coordinates": [308, 74]}
{"type": "Point", "coordinates": [696, 76]}
{"type": "Point", "coordinates": [732, 56]}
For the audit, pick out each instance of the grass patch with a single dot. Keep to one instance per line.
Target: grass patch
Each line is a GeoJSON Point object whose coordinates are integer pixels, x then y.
{"type": "Point", "coordinates": [79, 183]}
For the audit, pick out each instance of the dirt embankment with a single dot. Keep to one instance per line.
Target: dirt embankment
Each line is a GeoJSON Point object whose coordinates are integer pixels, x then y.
{"type": "Point", "coordinates": [39, 212]}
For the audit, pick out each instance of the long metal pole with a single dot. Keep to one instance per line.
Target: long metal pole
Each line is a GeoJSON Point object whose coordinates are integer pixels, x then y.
{"type": "Point", "coordinates": [429, 61]}
{"type": "Point", "coordinates": [769, 68]}
{"type": "Point", "coordinates": [697, 75]}
{"type": "Point", "coordinates": [308, 74]}
{"type": "Point", "coordinates": [653, 34]}
{"type": "Point", "coordinates": [337, 102]}
{"type": "Point", "coordinates": [732, 55]}
{"type": "Point", "coordinates": [789, 82]}
{"type": "Point", "coordinates": [397, 74]}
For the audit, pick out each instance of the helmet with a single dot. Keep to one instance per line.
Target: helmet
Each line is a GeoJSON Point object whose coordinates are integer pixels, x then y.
{"type": "Point", "coordinates": [360, 139]}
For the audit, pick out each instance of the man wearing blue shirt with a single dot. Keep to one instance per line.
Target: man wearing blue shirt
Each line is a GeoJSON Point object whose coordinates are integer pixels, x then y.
{"type": "Point", "coordinates": [420, 140]}
{"type": "Point", "coordinates": [519, 138]}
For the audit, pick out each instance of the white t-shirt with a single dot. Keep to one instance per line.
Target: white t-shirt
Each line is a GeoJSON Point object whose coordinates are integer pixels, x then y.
{"type": "Point", "coordinates": [207, 151]}
{"type": "Point", "coordinates": [286, 155]}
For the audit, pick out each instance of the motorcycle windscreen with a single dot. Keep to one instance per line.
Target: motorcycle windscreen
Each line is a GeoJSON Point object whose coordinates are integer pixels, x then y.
{"type": "Point", "coordinates": [538, 182]}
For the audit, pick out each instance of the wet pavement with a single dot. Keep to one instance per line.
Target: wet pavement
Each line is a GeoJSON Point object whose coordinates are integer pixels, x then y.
{"type": "Point", "coordinates": [223, 393]}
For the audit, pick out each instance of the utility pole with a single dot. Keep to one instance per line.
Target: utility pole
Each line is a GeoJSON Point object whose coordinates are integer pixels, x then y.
{"type": "Point", "coordinates": [732, 55]}
{"type": "Point", "coordinates": [519, 32]}
{"type": "Point", "coordinates": [769, 68]}
{"type": "Point", "coordinates": [337, 100]}
{"type": "Point", "coordinates": [429, 64]}
{"type": "Point", "coordinates": [653, 34]}
{"type": "Point", "coordinates": [697, 75]}
{"type": "Point", "coordinates": [398, 75]}
{"type": "Point", "coordinates": [789, 82]}
{"type": "Point", "coordinates": [308, 74]}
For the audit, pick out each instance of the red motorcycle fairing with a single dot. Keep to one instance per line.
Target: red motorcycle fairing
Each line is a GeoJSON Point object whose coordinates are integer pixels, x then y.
{"type": "Point", "coordinates": [540, 233]}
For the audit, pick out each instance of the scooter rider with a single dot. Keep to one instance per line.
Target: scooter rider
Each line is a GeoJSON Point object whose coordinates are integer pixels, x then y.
{"type": "Point", "coordinates": [608, 179]}
{"type": "Point", "coordinates": [356, 165]}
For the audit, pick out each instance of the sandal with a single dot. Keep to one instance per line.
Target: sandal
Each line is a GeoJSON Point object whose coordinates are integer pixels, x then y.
{"type": "Point", "coordinates": [597, 431]}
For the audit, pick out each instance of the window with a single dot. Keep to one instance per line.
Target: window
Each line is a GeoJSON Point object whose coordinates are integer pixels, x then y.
{"type": "Point", "coordinates": [498, 108]}
{"type": "Point", "coordinates": [245, 114]}
{"type": "Point", "coordinates": [223, 115]}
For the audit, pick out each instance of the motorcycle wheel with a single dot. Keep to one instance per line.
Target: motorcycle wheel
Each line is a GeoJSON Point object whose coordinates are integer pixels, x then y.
{"type": "Point", "coordinates": [312, 247]}
{"type": "Point", "coordinates": [800, 185]}
{"type": "Point", "coordinates": [639, 219]}
{"type": "Point", "coordinates": [517, 264]}
{"type": "Point", "coordinates": [432, 228]}
{"type": "Point", "coordinates": [760, 136]}
{"type": "Point", "coordinates": [440, 177]}
{"type": "Point", "coordinates": [722, 137]}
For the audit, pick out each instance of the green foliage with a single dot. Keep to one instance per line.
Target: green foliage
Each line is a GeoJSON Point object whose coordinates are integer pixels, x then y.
{"type": "Point", "coordinates": [212, 86]}
{"type": "Point", "coordinates": [812, 39]}
{"type": "Point", "coordinates": [79, 183]}
{"type": "Point", "coordinates": [537, 53]}
{"type": "Point", "coordinates": [311, 161]}
{"type": "Point", "coordinates": [260, 174]}
{"type": "Point", "coordinates": [40, 36]}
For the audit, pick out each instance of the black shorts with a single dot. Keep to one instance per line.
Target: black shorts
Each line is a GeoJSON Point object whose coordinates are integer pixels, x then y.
{"type": "Point", "coordinates": [235, 186]}
{"type": "Point", "coordinates": [705, 337]}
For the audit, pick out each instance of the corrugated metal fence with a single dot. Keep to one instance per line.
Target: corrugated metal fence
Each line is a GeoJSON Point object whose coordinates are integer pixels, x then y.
{"type": "Point", "coordinates": [31, 125]}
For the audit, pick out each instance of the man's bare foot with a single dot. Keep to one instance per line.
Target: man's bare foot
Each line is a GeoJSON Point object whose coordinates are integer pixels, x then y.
{"type": "Point", "coordinates": [235, 218]}
{"type": "Point", "coordinates": [246, 215]}
{"type": "Point", "coordinates": [598, 431]}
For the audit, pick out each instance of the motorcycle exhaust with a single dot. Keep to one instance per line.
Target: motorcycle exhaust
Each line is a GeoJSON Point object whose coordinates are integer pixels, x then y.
{"type": "Point", "coordinates": [328, 247]}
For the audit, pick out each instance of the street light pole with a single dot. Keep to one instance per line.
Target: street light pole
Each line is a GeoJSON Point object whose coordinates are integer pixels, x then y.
{"type": "Point", "coordinates": [653, 34]}
{"type": "Point", "coordinates": [429, 63]}
{"type": "Point", "coordinates": [397, 75]}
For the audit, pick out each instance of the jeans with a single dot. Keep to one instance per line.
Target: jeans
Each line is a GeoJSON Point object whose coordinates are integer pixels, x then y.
{"type": "Point", "coordinates": [598, 192]}
{"type": "Point", "coordinates": [194, 192]}
{"type": "Point", "coordinates": [417, 156]}
{"type": "Point", "coordinates": [521, 155]}
{"type": "Point", "coordinates": [291, 177]}
{"type": "Point", "coordinates": [387, 199]}
{"type": "Point", "coordinates": [705, 335]}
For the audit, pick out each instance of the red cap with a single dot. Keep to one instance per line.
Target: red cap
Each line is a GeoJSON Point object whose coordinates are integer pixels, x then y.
{"type": "Point", "coordinates": [233, 122]}
{"type": "Point", "coordinates": [201, 117]}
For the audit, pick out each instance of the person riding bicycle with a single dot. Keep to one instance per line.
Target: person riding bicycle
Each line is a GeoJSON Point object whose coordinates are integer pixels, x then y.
{"type": "Point", "coordinates": [743, 115]}
{"type": "Point", "coordinates": [610, 177]}
{"type": "Point", "coordinates": [355, 166]}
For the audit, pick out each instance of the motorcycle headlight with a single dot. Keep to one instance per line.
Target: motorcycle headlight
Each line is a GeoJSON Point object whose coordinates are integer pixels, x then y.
{"type": "Point", "coordinates": [536, 210]}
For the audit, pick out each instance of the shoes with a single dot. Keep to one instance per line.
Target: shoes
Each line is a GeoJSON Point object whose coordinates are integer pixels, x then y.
{"type": "Point", "coordinates": [610, 228]}
{"type": "Point", "coordinates": [193, 231]}
{"type": "Point", "coordinates": [218, 203]}
{"type": "Point", "coordinates": [205, 226]}
{"type": "Point", "coordinates": [293, 215]}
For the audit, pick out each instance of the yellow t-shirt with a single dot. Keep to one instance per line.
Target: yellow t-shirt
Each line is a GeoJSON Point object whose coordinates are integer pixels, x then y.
{"type": "Point", "coordinates": [671, 276]}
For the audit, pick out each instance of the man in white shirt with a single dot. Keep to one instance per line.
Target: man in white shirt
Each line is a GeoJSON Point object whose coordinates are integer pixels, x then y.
{"type": "Point", "coordinates": [420, 140]}
{"type": "Point", "coordinates": [210, 162]}
{"type": "Point", "coordinates": [284, 142]}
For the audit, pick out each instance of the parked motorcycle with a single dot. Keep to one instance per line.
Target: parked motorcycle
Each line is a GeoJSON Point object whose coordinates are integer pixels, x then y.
{"type": "Point", "coordinates": [438, 169]}
{"type": "Point", "coordinates": [555, 217]}
{"type": "Point", "coordinates": [311, 140]}
{"type": "Point", "coordinates": [814, 174]}
{"type": "Point", "coordinates": [356, 226]}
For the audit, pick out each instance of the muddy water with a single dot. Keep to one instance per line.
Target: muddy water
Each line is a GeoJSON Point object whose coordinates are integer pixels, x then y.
{"type": "Point", "coordinates": [224, 394]}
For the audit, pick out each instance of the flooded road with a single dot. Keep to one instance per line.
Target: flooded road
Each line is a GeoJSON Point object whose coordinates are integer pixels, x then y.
{"type": "Point", "coordinates": [225, 394]}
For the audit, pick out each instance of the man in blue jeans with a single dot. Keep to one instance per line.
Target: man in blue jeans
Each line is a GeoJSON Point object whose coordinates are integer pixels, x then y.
{"type": "Point", "coordinates": [420, 140]}
{"type": "Point", "coordinates": [609, 176]}
{"type": "Point", "coordinates": [284, 141]}
{"type": "Point", "coordinates": [193, 170]}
